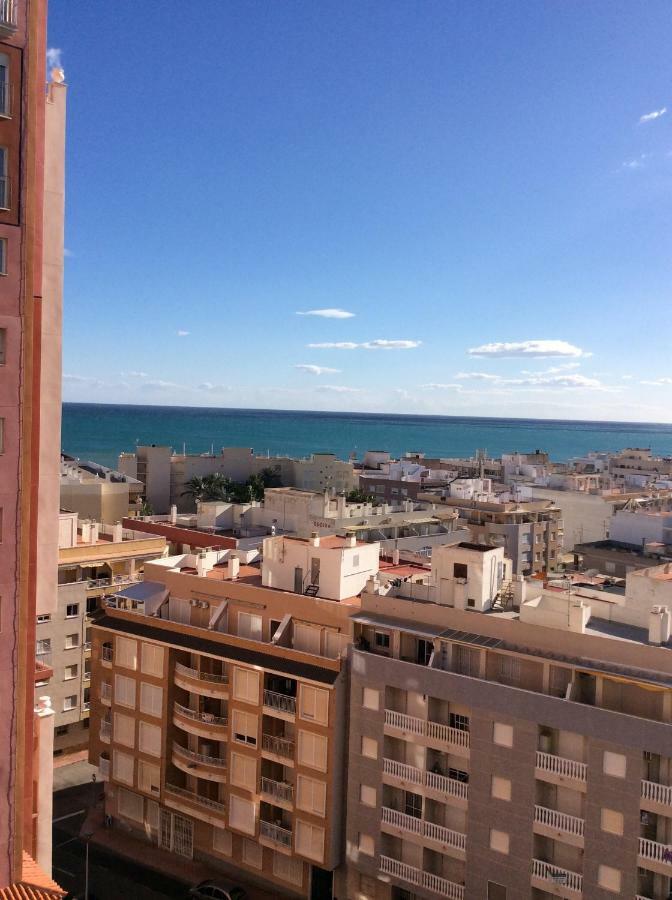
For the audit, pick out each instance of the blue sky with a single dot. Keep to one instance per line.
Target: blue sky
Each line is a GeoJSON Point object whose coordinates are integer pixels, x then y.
{"type": "Point", "coordinates": [485, 187]}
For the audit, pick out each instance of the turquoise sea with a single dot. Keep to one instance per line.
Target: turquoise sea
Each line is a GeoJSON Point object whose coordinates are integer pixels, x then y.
{"type": "Point", "coordinates": [101, 432]}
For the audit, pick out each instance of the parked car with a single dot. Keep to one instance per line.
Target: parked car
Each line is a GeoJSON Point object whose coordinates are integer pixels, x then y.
{"type": "Point", "coordinates": [217, 890]}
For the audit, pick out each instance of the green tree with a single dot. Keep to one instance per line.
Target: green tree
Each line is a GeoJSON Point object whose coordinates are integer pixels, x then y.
{"type": "Point", "coordinates": [357, 495]}
{"type": "Point", "coordinates": [195, 488]}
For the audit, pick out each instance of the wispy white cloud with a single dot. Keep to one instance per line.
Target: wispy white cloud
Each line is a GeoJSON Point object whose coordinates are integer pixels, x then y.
{"type": "Point", "coordinates": [637, 162]}
{"type": "Point", "coordinates": [658, 382]}
{"type": "Point", "coordinates": [438, 386]}
{"type": "Point", "coordinates": [627, 377]}
{"type": "Point", "coordinates": [379, 344]}
{"type": "Point", "coordinates": [329, 313]}
{"type": "Point", "coordinates": [88, 380]}
{"type": "Point", "coordinates": [554, 370]}
{"type": "Point", "coordinates": [316, 370]}
{"type": "Point", "coordinates": [182, 333]}
{"type": "Point", "coordinates": [54, 57]}
{"type": "Point", "coordinates": [527, 349]}
{"type": "Point", "coordinates": [134, 375]}
{"type": "Point", "coordinates": [159, 384]}
{"type": "Point", "coordinates": [213, 388]}
{"type": "Point", "coordinates": [338, 389]}
{"type": "Point", "coordinates": [531, 380]}
{"type": "Point", "coordinates": [650, 117]}
{"type": "Point", "coordinates": [477, 376]}
{"type": "Point", "coordinates": [68, 253]}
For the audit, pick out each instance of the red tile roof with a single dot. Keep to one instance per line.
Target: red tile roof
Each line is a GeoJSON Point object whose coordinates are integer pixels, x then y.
{"type": "Point", "coordinates": [34, 885]}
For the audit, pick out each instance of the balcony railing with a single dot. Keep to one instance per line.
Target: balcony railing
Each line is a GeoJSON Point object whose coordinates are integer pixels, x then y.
{"type": "Point", "coordinates": [105, 731]}
{"type": "Point", "coordinates": [104, 767]}
{"type": "Point", "coordinates": [8, 15]}
{"type": "Point", "coordinates": [404, 872]}
{"type": "Point", "coordinates": [558, 821]}
{"type": "Point", "coordinates": [192, 797]}
{"type": "Point", "coordinates": [200, 676]}
{"type": "Point", "coordinates": [106, 691]}
{"type": "Point", "coordinates": [436, 731]}
{"type": "Point", "coordinates": [433, 780]}
{"type": "Point", "coordinates": [107, 654]}
{"type": "Point", "coordinates": [280, 702]}
{"type": "Point", "coordinates": [657, 793]}
{"type": "Point", "coordinates": [430, 830]}
{"type": "Point", "coordinates": [546, 871]}
{"type": "Point", "coordinates": [561, 766]}
{"type": "Point", "coordinates": [178, 750]}
{"type": "Point", "coordinates": [277, 745]}
{"type": "Point", "coordinates": [275, 833]}
{"type": "Point", "coordinates": [280, 790]}
{"type": "Point", "coordinates": [202, 717]}
{"type": "Point", "coordinates": [660, 853]}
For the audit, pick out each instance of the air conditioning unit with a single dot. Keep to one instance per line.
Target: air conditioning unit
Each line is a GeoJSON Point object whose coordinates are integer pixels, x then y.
{"type": "Point", "coordinates": [204, 604]}
{"type": "Point", "coordinates": [193, 602]}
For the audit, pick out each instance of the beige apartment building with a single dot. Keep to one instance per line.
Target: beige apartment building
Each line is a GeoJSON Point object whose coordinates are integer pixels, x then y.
{"type": "Point", "coordinates": [219, 707]}
{"type": "Point", "coordinates": [94, 560]}
{"type": "Point", "coordinates": [96, 492]}
{"type": "Point", "coordinates": [518, 746]}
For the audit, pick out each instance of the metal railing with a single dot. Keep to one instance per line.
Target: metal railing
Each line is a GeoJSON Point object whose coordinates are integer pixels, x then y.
{"type": "Point", "coordinates": [198, 757]}
{"type": "Point", "coordinates": [430, 830]}
{"type": "Point", "coordinates": [104, 766]}
{"type": "Point", "coordinates": [8, 14]}
{"type": "Point", "coordinates": [105, 731]}
{"type": "Point", "coordinates": [192, 797]}
{"type": "Point", "coordinates": [86, 705]}
{"type": "Point", "coordinates": [657, 793]}
{"type": "Point", "coordinates": [661, 853]}
{"type": "Point", "coordinates": [558, 821]}
{"type": "Point", "coordinates": [275, 833]}
{"type": "Point", "coordinates": [431, 882]}
{"type": "Point", "coordinates": [181, 669]}
{"type": "Point", "coordinates": [279, 790]}
{"type": "Point", "coordinates": [281, 702]}
{"type": "Point", "coordinates": [561, 766]}
{"type": "Point", "coordinates": [546, 871]}
{"type": "Point", "coordinates": [280, 746]}
{"type": "Point", "coordinates": [105, 691]}
{"type": "Point", "coordinates": [202, 717]}
{"type": "Point", "coordinates": [433, 780]}
{"type": "Point", "coordinates": [433, 730]}
{"type": "Point", "coordinates": [107, 654]}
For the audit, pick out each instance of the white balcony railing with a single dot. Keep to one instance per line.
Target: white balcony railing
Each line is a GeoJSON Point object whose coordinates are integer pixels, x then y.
{"type": "Point", "coordinates": [436, 731]}
{"type": "Point", "coordinates": [558, 821]}
{"type": "Point", "coordinates": [277, 745]}
{"type": "Point", "coordinates": [405, 872]}
{"type": "Point", "coordinates": [657, 793]}
{"type": "Point", "coordinates": [200, 676]}
{"type": "Point", "coordinates": [437, 782]}
{"type": "Point", "coordinates": [430, 830]}
{"type": "Point", "coordinates": [197, 799]}
{"type": "Point", "coordinates": [8, 14]}
{"type": "Point", "coordinates": [660, 853]}
{"type": "Point", "coordinates": [107, 654]}
{"type": "Point", "coordinates": [202, 717]}
{"type": "Point", "coordinates": [279, 790]}
{"type": "Point", "coordinates": [561, 766]}
{"type": "Point", "coordinates": [280, 702]}
{"type": "Point", "coordinates": [178, 750]}
{"type": "Point", "coordinates": [275, 833]}
{"type": "Point", "coordinates": [546, 871]}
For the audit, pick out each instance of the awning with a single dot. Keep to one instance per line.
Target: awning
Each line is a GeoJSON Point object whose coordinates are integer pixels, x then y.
{"type": "Point", "coordinates": [422, 631]}
{"type": "Point", "coordinates": [152, 593]}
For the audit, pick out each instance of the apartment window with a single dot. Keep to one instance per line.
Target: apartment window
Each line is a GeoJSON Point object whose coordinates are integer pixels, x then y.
{"type": "Point", "coordinates": [124, 730]}
{"type": "Point", "coordinates": [124, 691]}
{"type": "Point", "coordinates": [458, 721]}
{"type": "Point", "coordinates": [311, 795]}
{"type": "Point", "coordinates": [614, 764]}
{"type": "Point", "coordinates": [369, 748]}
{"type": "Point", "coordinates": [458, 775]}
{"type": "Point", "coordinates": [466, 661]}
{"type": "Point", "coordinates": [460, 570]}
{"type": "Point", "coordinates": [502, 734]}
{"type": "Point", "coordinates": [500, 788]}
{"type": "Point", "coordinates": [611, 821]}
{"type": "Point", "coordinates": [499, 841]}
{"type": "Point", "coordinates": [3, 346]}
{"type": "Point", "coordinates": [249, 626]}
{"type": "Point", "coordinates": [241, 814]}
{"type": "Point", "coordinates": [273, 626]}
{"type": "Point", "coordinates": [149, 777]}
{"type": "Point", "coordinates": [4, 180]}
{"type": "Point", "coordinates": [310, 840]}
{"type": "Point", "coordinates": [509, 670]}
{"type": "Point", "coordinates": [609, 879]}
{"type": "Point", "coordinates": [126, 653]}
{"type": "Point", "coordinates": [287, 869]}
{"type": "Point", "coordinates": [366, 844]}
{"type": "Point", "coordinates": [43, 646]}
{"type": "Point", "coordinates": [253, 854]}
{"type": "Point", "coordinates": [5, 109]}
{"type": "Point", "coordinates": [122, 767]}
{"type": "Point", "coordinates": [3, 256]}
{"type": "Point", "coordinates": [312, 750]}
{"type": "Point", "coordinates": [72, 610]}
{"type": "Point", "coordinates": [244, 771]}
{"type": "Point", "coordinates": [367, 795]}
{"type": "Point", "coordinates": [151, 699]}
{"type": "Point", "coordinates": [131, 806]}
{"type": "Point", "coordinates": [71, 641]}
{"type": "Point", "coordinates": [370, 699]}
{"type": "Point", "coordinates": [70, 703]}
{"type": "Point", "coordinates": [222, 841]}
{"type": "Point", "coordinates": [314, 704]}
{"type": "Point", "coordinates": [382, 640]}
{"type": "Point", "coordinates": [246, 685]}
{"type": "Point", "coordinates": [70, 672]}
{"type": "Point", "coordinates": [152, 660]}
{"type": "Point", "coordinates": [42, 618]}
{"type": "Point", "coordinates": [149, 739]}
{"type": "Point", "coordinates": [245, 726]}
{"type": "Point", "coordinates": [496, 891]}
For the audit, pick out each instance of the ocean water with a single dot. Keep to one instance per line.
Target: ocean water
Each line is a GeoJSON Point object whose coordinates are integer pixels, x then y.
{"type": "Point", "coordinates": [101, 432]}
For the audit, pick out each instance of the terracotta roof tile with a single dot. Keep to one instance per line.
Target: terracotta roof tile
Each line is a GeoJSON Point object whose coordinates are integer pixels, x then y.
{"type": "Point", "coordinates": [34, 885]}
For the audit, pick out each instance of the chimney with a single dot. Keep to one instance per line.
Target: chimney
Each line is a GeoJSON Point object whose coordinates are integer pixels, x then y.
{"type": "Point", "coordinates": [117, 532]}
{"type": "Point", "coordinates": [95, 529]}
{"type": "Point", "coordinates": [314, 539]}
{"type": "Point", "coordinates": [86, 533]}
{"type": "Point", "coordinates": [395, 557]}
{"type": "Point", "coordinates": [659, 625]}
{"type": "Point", "coordinates": [200, 563]}
{"type": "Point", "coordinates": [173, 515]}
{"type": "Point", "coordinates": [234, 567]}
{"type": "Point", "coordinates": [350, 539]}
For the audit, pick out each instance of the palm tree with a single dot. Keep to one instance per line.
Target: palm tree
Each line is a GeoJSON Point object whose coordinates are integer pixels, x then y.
{"type": "Point", "coordinates": [217, 487]}
{"type": "Point", "coordinates": [195, 487]}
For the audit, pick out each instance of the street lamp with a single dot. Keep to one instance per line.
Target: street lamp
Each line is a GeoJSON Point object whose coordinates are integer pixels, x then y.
{"type": "Point", "coordinates": [87, 835]}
